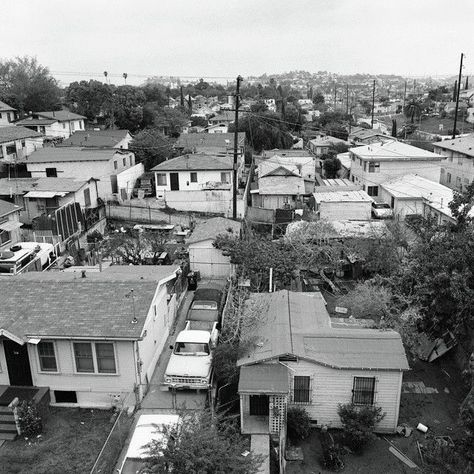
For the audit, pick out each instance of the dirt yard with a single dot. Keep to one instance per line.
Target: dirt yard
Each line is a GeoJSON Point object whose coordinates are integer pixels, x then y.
{"type": "Point", "coordinates": [431, 394]}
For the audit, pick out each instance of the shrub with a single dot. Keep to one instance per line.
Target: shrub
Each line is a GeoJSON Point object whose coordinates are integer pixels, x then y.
{"type": "Point", "coordinates": [31, 423]}
{"type": "Point", "coordinates": [331, 458]}
{"type": "Point", "coordinates": [298, 423]}
{"type": "Point", "coordinates": [358, 424]}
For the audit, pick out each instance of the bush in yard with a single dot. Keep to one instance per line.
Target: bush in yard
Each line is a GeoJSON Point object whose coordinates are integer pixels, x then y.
{"type": "Point", "coordinates": [31, 423]}
{"type": "Point", "coordinates": [358, 423]}
{"type": "Point", "coordinates": [298, 424]}
{"type": "Point", "coordinates": [331, 458]}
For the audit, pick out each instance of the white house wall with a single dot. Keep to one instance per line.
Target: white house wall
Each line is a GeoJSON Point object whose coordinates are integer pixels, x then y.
{"type": "Point", "coordinates": [127, 178]}
{"type": "Point", "coordinates": [184, 179]}
{"type": "Point", "coordinates": [208, 260]}
{"type": "Point", "coordinates": [15, 235]}
{"type": "Point", "coordinates": [334, 386]}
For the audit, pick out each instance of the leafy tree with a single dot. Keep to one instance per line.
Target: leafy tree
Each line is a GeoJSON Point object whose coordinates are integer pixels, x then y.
{"type": "Point", "coordinates": [28, 86]}
{"type": "Point", "coordinates": [298, 424]}
{"type": "Point", "coordinates": [88, 98]}
{"type": "Point", "coordinates": [170, 121]}
{"type": "Point", "coordinates": [318, 98]}
{"type": "Point", "coordinates": [156, 93]}
{"type": "Point", "coordinates": [413, 109]}
{"type": "Point", "coordinates": [461, 206]}
{"type": "Point", "coordinates": [127, 104]}
{"type": "Point", "coordinates": [258, 107]}
{"type": "Point", "coordinates": [151, 147]}
{"type": "Point", "coordinates": [197, 121]}
{"type": "Point", "coordinates": [202, 444]}
{"type": "Point", "coordinates": [331, 166]}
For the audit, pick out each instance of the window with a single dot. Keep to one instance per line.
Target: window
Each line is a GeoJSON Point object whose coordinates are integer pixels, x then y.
{"type": "Point", "coordinates": [115, 165]}
{"type": "Point", "coordinates": [443, 171]}
{"type": "Point", "coordinates": [23, 143]}
{"type": "Point", "coordinates": [96, 357]}
{"type": "Point", "coordinates": [4, 235]}
{"type": "Point", "coordinates": [83, 355]}
{"type": "Point", "coordinates": [1, 151]}
{"type": "Point", "coordinates": [51, 173]}
{"type": "Point", "coordinates": [47, 356]}
{"type": "Point", "coordinates": [9, 117]}
{"type": "Point", "coordinates": [87, 197]}
{"type": "Point", "coordinates": [301, 389]}
{"type": "Point", "coordinates": [10, 149]}
{"type": "Point", "coordinates": [225, 177]}
{"type": "Point", "coordinates": [352, 178]}
{"type": "Point", "coordinates": [363, 392]}
{"type": "Point", "coordinates": [353, 157]}
{"type": "Point", "coordinates": [458, 182]}
{"type": "Point", "coordinates": [374, 167]}
{"type": "Point", "coordinates": [448, 177]}
{"type": "Point", "coordinates": [105, 358]}
{"type": "Point", "coordinates": [194, 177]}
{"type": "Point", "coordinates": [42, 129]}
{"type": "Point", "coordinates": [65, 396]}
{"type": "Point", "coordinates": [460, 160]}
{"type": "Point", "coordinates": [365, 165]}
{"type": "Point", "coordinates": [360, 161]}
{"type": "Point", "coordinates": [64, 125]}
{"type": "Point", "coordinates": [131, 161]}
{"type": "Point", "coordinates": [161, 179]}
{"type": "Point", "coordinates": [450, 156]}
{"type": "Point", "coordinates": [373, 190]}
{"type": "Point", "coordinates": [124, 161]}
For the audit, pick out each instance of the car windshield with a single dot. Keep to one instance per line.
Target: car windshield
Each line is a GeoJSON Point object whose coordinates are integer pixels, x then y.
{"type": "Point", "coordinates": [381, 205]}
{"type": "Point", "coordinates": [204, 305]}
{"type": "Point", "coordinates": [193, 348]}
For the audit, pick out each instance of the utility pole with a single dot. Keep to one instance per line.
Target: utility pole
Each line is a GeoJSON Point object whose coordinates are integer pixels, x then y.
{"type": "Point", "coordinates": [373, 104]}
{"type": "Point", "coordinates": [236, 140]}
{"type": "Point", "coordinates": [457, 97]}
{"type": "Point", "coordinates": [404, 101]}
{"type": "Point", "coordinates": [335, 95]}
{"type": "Point", "coordinates": [347, 99]}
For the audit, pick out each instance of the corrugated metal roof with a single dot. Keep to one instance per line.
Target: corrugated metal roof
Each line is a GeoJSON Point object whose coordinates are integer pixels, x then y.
{"type": "Point", "coordinates": [299, 324]}
{"type": "Point", "coordinates": [264, 378]}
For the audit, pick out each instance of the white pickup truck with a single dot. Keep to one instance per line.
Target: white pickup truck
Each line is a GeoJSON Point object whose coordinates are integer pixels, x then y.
{"type": "Point", "coordinates": [190, 364]}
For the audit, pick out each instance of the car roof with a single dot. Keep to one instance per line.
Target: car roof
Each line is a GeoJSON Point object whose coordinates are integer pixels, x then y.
{"type": "Point", "coordinates": [193, 336]}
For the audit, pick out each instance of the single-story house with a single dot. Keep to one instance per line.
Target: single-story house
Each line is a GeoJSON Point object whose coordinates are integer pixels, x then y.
{"type": "Point", "coordinates": [203, 256]}
{"type": "Point", "coordinates": [211, 143]}
{"type": "Point", "coordinates": [296, 358]}
{"type": "Point", "coordinates": [17, 142]}
{"type": "Point", "coordinates": [9, 224]}
{"type": "Point", "coordinates": [198, 182]}
{"type": "Point", "coordinates": [115, 170]}
{"type": "Point", "coordinates": [321, 146]}
{"type": "Point", "coordinates": [7, 114]}
{"type": "Point", "coordinates": [340, 203]}
{"type": "Point", "coordinates": [100, 139]}
{"type": "Point", "coordinates": [92, 339]}
{"type": "Point", "coordinates": [54, 124]}
{"type": "Point", "coordinates": [366, 136]}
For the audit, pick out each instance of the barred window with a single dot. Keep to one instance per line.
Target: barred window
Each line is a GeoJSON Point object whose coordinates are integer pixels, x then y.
{"type": "Point", "coordinates": [363, 392]}
{"type": "Point", "coordinates": [301, 389]}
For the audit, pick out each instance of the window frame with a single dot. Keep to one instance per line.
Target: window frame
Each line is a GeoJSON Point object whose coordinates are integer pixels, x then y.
{"type": "Point", "coordinates": [358, 393]}
{"type": "Point", "coordinates": [305, 394]}
{"type": "Point", "coordinates": [95, 360]}
{"type": "Point", "coordinates": [374, 167]}
{"type": "Point", "coordinates": [40, 357]}
{"type": "Point", "coordinates": [225, 175]}
{"type": "Point", "coordinates": [371, 189]}
{"type": "Point", "coordinates": [51, 172]}
{"type": "Point", "coordinates": [193, 177]}
{"type": "Point", "coordinates": [164, 181]}
{"type": "Point", "coordinates": [4, 233]}
{"type": "Point", "coordinates": [87, 197]}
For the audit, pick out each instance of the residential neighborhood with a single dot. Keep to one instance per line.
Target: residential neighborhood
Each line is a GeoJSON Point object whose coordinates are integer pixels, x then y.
{"type": "Point", "coordinates": [213, 272]}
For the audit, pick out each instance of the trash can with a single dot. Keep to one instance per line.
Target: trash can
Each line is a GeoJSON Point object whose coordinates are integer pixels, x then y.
{"type": "Point", "coordinates": [192, 281]}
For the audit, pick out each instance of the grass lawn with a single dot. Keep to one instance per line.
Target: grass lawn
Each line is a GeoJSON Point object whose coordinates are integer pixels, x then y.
{"type": "Point", "coordinates": [70, 443]}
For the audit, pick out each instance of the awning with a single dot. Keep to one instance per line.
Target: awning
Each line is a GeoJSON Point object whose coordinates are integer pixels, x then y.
{"type": "Point", "coordinates": [10, 225]}
{"type": "Point", "coordinates": [264, 378]}
{"type": "Point", "coordinates": [43, 194]}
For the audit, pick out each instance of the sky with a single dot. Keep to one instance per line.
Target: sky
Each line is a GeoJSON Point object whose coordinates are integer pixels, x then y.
{"type": "Point", "coordinates": [224, 38]}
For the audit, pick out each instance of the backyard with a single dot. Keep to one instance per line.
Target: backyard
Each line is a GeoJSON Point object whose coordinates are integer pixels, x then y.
{"type": "Point", "coordinates": [70, 443]}
{"type": "Point", "coordinates": [431, 394]}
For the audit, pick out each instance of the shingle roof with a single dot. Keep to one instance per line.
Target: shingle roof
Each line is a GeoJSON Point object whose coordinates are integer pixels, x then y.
{"type": "Point", "coordinates": [58, 154]}
{"type": "Point", "coordinates": [60, 115]}
{"type": "Point", "coordinates": [463, 145]}
{"type": "Point", "coordinates": [96, 138]}
{"type": "Point", "coordinates": [10, 133]}
{"type": "Point", "coordinates": [208, 140]}
{"type": "Point", "coordinates": [281, 185]}
{"type": "Point", "coordinates": [394, 151]}
{"type": "Point", "coordinates": [27, 122]}
{"type": "Point", "coordinates": [298, 324]}
{"type": "Point", "coordinates": [77, 308]}
{"type": "Point", "coordinates": [7, 208]}
{"type": "Point", "coordinates": [21, 186]}
{"type": "Point", "coordinates": [5, 107]}
{"type": "Point", "coordinates": [196, 161]}
{"type": "Point", "coordinates": [211, 228]}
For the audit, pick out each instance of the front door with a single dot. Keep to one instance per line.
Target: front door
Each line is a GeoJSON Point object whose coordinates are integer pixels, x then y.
{"type": "Point", "coordinates": [18, 363]}
{"type": "Point", "coordinates": [259, 405]}
{"type": "Point", "coordinates": [174, 182]}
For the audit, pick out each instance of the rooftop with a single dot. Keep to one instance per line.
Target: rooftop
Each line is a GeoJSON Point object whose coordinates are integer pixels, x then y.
{"type": "Point", "coordinates": [463, 145]}
{"type": "Point", "coordinates": [327, 141]}
{"type": "Point", "coordinates": [196, 161]}
{"type": "Point", "coordinates": [10, 133]}
{"type": "Point", "coordinates": [96, 138]}
{"type": "Point", "coordinates": [298, 324]}
{"type": "Point", "coordinates": [7, 208]}
{"type": "Point", "coordinates": [208, 140]}
{"type": "Point", "coordinates": [5, 107]}
{"type": "Point", "coordinates": [59, 154]}
{"type": "Point", "coordinates": [35, 121]}
{"type": "Point", "coordinates": [60, 115]}
{"type": "Point", "coordinates": [211, 228]}
{"type": "Point", "coordinates": [342, 196]}
{"type": "Point", "coordinates": [22, 186]}
{"type": "Point", "coordinates": [394, 151]}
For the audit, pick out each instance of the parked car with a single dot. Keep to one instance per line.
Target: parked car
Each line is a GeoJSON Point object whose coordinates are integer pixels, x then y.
{"type": "Point", "coordinates": [148, 428]}
{"type": "Point", "coordinates": [145, 183]}
{"type": "Point", "coordinates": [381, 210]}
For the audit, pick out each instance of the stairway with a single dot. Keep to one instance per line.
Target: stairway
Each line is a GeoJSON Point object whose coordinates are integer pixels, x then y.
{"type": "Point", "coordinates": [7, 424]}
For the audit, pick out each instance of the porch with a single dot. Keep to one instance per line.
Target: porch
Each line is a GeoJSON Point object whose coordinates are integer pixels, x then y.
{"type": "Point", "coordinates": [263, 391]}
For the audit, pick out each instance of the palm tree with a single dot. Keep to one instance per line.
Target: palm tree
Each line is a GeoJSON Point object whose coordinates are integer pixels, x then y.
{"type": "Point", "coordinates": [413, 109]}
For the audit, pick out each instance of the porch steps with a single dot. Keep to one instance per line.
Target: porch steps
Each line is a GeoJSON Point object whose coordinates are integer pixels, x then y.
{"type": "Point", "coordinates": [7, 424]}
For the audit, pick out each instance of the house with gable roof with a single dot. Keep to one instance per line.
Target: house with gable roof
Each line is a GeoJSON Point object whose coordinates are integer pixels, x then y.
{"type": "Point", "coordinates": [90, 339]}
{"type": "Point", "coordinates": [295, 357]}
{"type": "Point", "coordinates": [9, 224]}
{"type": "Point", "coordinates": [7, 114]}
{"type": "Point", "coordinates": [54, 124]}
{"type": "Point", "coordinates": [100, 139]}
{"type": "Point", "coordinates": [17, 143]}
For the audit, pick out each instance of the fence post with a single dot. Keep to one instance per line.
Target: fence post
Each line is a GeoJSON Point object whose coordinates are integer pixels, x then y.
{"type": "Point", "coordinates": [130, 206]}
{"type": "Point", "coordinates": [149, 213]}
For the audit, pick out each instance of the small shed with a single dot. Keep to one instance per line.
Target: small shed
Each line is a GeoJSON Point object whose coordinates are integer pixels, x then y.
{"type": "Point", "coordinates": [339, 203]}
{"type": "Point", "coordinates": [203, 256]}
